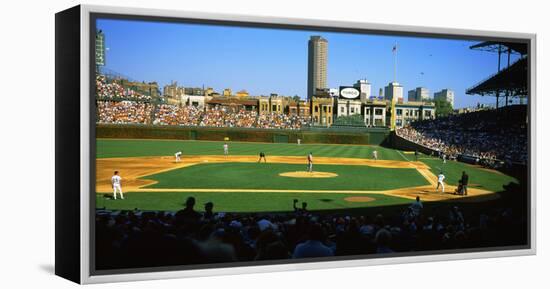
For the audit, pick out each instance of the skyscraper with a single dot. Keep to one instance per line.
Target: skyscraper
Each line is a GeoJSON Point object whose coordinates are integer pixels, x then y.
{"type": "Point", "coordinates": [99, 49]}
{"type": "Point", "coordinates": [394, 91]}
{"type": "Point", "coordinates": [446, 94]}
{"type": "Point", "coordinates": [419, 94]}
{"type": "Point", "coordinates": [317, 65]}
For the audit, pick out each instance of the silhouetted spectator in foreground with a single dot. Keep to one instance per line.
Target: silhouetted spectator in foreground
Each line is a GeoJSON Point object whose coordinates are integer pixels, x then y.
{"type": "Point", "coordinates": [208, 211]}
{"type": "Point", "coordinates": [314, 246]}
{"type": "Point", "coordinates": [188, 216]}
{"type": "Point", "coordinates": [416, 207]}
{"type": "Point", "coordinates": [383, 239]}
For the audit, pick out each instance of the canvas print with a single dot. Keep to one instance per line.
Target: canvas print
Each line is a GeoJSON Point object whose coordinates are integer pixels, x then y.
{"type": "Point", "coordinates": [226, 145]}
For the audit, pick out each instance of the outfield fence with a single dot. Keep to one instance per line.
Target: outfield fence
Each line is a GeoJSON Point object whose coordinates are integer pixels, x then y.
{"type": "Point", "coordinates": [370, 136]}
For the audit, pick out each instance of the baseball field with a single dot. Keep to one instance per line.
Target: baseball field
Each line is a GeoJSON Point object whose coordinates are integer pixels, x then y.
{"type": "Point", "coordinates": [344, 176]}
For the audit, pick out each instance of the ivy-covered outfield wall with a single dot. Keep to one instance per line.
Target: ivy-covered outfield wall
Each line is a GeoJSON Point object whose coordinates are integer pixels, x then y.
{"type": "Point", "coordinates": [374, 136]}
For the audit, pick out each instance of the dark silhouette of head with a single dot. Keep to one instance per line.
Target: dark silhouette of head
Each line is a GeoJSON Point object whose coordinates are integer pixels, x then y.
{"type": "Point", "coordinates": [417, 198]}
{"type": "Point", "coordinates": [116, 172]}
{"type": "Point", "coordinates": [208, 206]}
{"type": "Point", "coordinates": [190, 203]}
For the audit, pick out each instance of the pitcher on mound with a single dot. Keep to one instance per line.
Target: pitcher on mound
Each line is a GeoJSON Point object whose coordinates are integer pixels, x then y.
{"type": "Point", "coordinates": [310, 162]}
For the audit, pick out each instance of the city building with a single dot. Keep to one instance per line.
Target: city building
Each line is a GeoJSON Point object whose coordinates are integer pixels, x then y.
{"type": "Point", "coordinates": [364, 88]}
{"type": "Point", "coordinates": [393, 91]}
{"type": "Point", "coordinates": [447, 95]}
{"type": "Point", "coordinates": [374, 112]}
{"type": "Point", "coordinates": [272, 104]}
{"type": "Point", "coordinates": [145, 88]}
{"type": "Point", "coordinates": [317, 65]}
{"type": "Point", "coordinates": [406, 113]}
{"type": "Point", "coordinates": [233, 105]}
{"type": "Point", "coordinates": [419, 94]}
{"type": "Point", "coordinates": [322, 111]}
{"type": "Point", "coordinates": [209, 91]}
{"type": "Point", "coordinates": [227, 92]}
{"type": "Point", "coordinates": [198, 101]}
{"type": "Point", "coordinates": [99, 49]}
{"type": "Point", "coordinates": [300, 108]}
{"type": "Point", "coordinates": [172, 90]}
{"type": "Point", "coordinates": [193, 91]}
{"type": "Point", "coordinates": [242, 93]}
{"type": "Point", "coordinates": [334, 92]}
{"type": "Point", "coordinates": [173, 93]}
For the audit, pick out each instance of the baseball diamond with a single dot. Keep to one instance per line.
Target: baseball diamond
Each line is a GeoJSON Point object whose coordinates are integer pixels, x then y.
{"type": "Point", "coordinates": [152, 179]}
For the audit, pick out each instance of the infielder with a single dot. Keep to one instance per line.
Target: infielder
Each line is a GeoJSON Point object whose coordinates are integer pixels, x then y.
{"type": "Point", "coordinates": [262, 156]}
{"type": "Point", "coordinates": [178, 157]}
{"type": "Point", "coordinates": [310, 162]}
{"type": "Point", "coordinates": [440, 179]}
{"type": "Point", "coordinates": [115, 181]}
{"type": "Point", "coordinates": [375, 155]}
{"type": "Point", "coordinates": [225, 149]}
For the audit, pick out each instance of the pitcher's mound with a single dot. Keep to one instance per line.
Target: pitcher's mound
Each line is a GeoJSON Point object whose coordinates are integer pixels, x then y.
{"type": "Point", "coordinates": [304, 174]}
{"type": "Point", "coordinates": [359, 199]}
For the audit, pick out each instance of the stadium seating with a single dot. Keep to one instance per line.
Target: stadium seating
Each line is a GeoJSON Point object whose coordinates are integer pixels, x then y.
{"type": "Point", "coordinates": [485, 135]}
{"type": "Point", "coordinates": [141, 238]}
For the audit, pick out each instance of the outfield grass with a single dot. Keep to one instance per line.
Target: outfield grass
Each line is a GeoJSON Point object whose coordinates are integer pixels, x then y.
{"type": "Point", "coordinates": [477, 177]}
{"type": "Point", "coordinates": [242, 202]}
{"type": "Point", "coordinates": [266, 176]}
{"type": "Point", "coordinates": [109, 148]}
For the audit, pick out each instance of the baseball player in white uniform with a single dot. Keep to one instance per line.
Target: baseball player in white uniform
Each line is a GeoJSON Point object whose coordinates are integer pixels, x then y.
{"type": "Point", "coordinates": [115, 181]}
{"type": "Point", "coordinates": [178, 157]}
{"type": "Point", "coordinates": [440, 179]}
{"type": "Point", "coordinates": [225, 149]}
{"type": "Point", "coordinates": [310, 162]}
{"type": "Point", "coordinates": [375, 155]}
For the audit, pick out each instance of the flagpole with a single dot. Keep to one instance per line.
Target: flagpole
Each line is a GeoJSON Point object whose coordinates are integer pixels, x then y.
{"type": "Point", "coordinates": [395, 62]}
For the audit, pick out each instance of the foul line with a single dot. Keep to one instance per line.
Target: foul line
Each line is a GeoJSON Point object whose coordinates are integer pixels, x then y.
{"type": "Point", "coordinates": [399, 152]}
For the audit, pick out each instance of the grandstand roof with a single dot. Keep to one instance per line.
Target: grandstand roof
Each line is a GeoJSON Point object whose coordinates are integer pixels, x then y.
{"type": "Point", "coordinates": [513, 79]}
{"type": "Point", "coordinates": [493, 46]}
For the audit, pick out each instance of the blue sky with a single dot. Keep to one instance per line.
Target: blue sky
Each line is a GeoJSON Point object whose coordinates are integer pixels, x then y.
{"type": "Point", "coordinates": [264, 61]}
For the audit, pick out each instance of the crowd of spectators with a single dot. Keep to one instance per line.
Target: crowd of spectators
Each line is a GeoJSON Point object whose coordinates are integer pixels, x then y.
{"type": "Point", "coordinates": [140, 238]}
{"type": "Point", "coordinates": [167, 114]}
{"type": "Point", "coordinates": [117, 104]}
{"type": "Point", "coordinates": [274, 120]}
{"type": "Point", "coordinates": [222, 117]}
{"type": "Point", "coordinates": [485, 136]}
{"type": "Point", "coordinates": [109, 89]}
{"type": "Point", "coordinates": [124, 112]}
